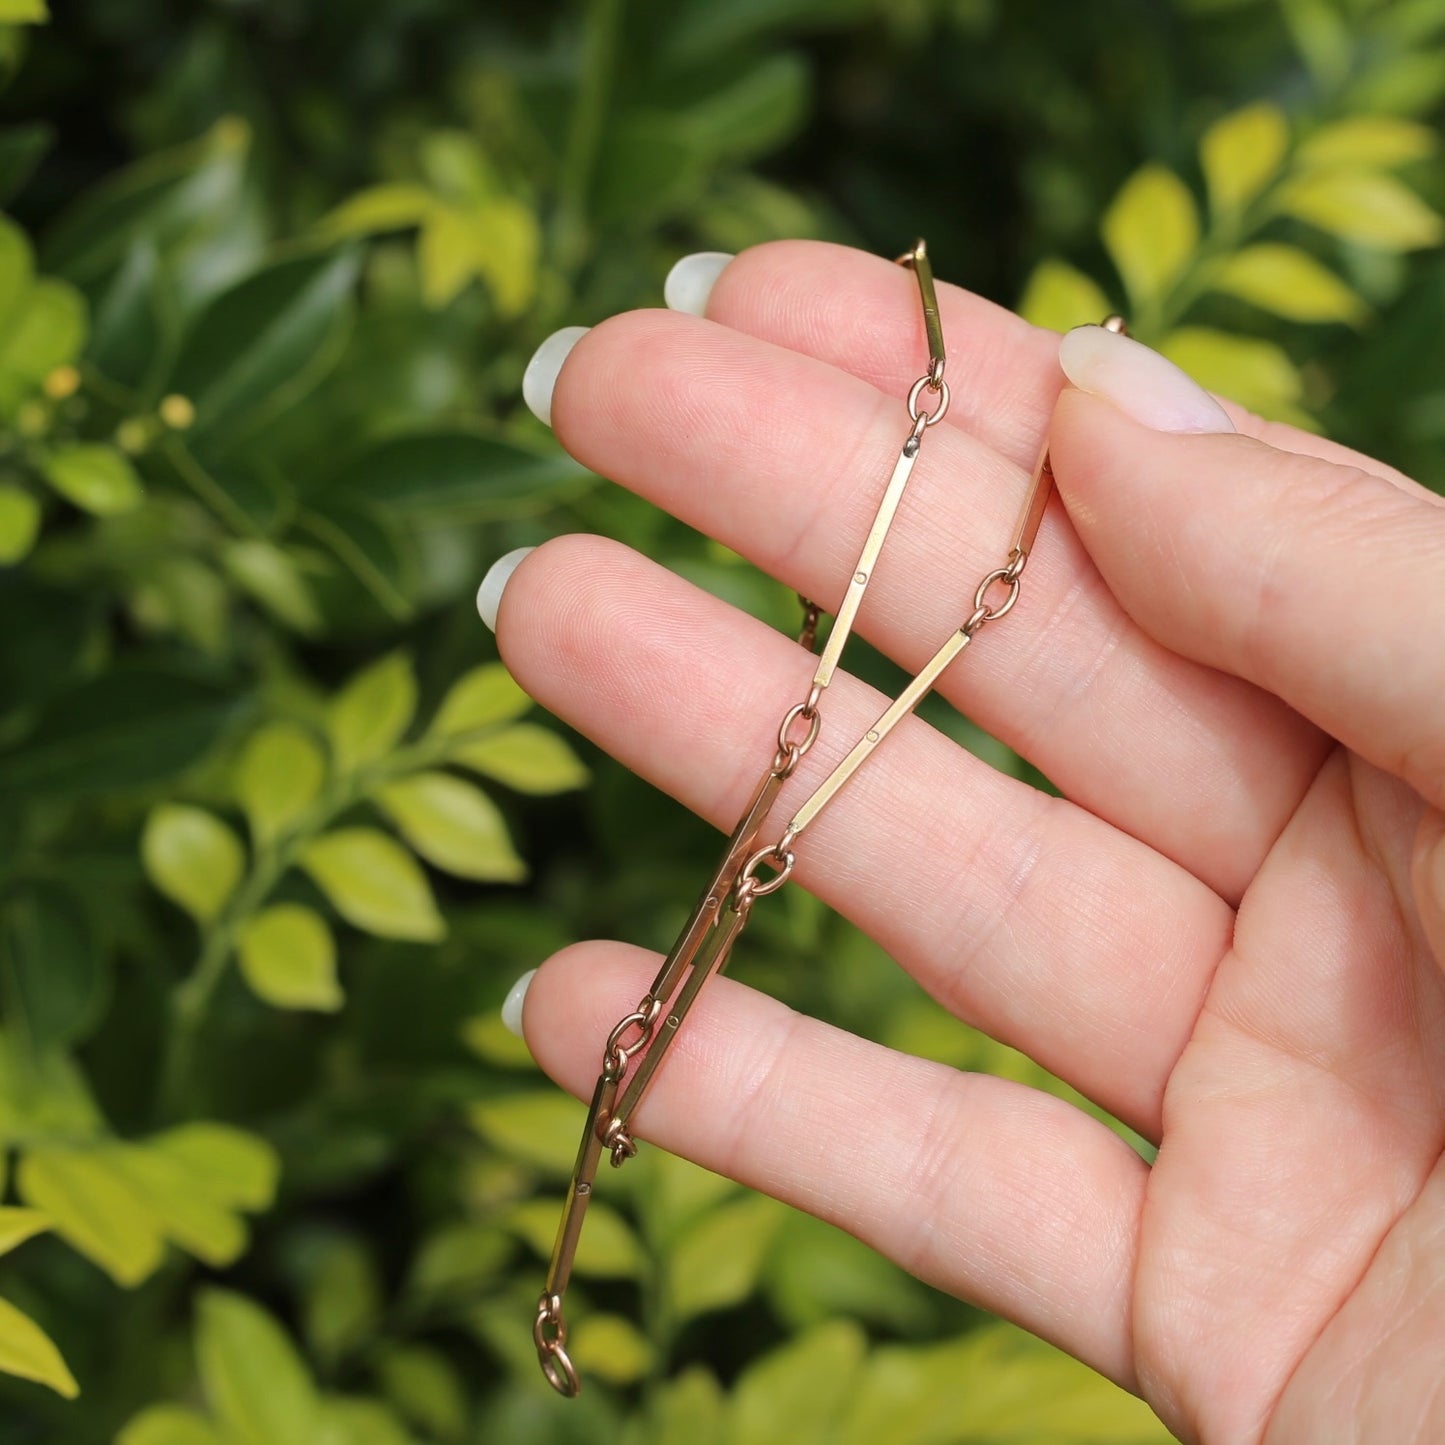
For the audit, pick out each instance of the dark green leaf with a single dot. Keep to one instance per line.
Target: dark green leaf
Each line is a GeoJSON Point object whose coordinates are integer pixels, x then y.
{"type": "Point", "coordinates": [261, 345]}
{"type": "Point", "coordinates": [53, 981]}
{"type": "Point", "coordinates": [22, 148]}
{"type": "Point", "coordinates": [128, 728]}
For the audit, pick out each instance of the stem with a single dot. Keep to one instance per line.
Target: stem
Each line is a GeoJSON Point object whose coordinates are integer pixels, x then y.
{"type": "Point", "coordinates": [584, 131]}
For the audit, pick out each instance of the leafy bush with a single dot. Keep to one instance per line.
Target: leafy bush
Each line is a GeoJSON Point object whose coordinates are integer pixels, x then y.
{"type": "Point", "coordinates": [277, 831]}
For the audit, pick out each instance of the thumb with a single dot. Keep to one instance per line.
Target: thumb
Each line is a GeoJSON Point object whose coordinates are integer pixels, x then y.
{"type": "Point", "coordinates": [1322, 582]}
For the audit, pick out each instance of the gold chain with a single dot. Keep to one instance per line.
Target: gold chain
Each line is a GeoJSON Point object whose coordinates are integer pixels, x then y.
{"type": "Point", "coordinates": [748, 872]}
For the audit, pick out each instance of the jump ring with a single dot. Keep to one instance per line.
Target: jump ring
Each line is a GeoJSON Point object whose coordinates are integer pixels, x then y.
{"type": "Point", "coordinates": [782, 862]}
{"type": "Point", "coordinates": [944, 397]}
{"type": "Point", "coordinates": [999, 574]}
{"type": "Point", "coordinates": [808, 711]}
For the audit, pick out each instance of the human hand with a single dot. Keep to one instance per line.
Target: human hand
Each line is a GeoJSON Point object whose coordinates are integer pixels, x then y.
{"type": "Point", "coordinates": [1230, 931]}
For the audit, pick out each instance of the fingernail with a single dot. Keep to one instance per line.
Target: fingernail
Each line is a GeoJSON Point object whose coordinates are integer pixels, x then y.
{"type": "Point", "coordinates": [1140, 382]}
{"type": "Point", "coordinates": [540, 378]}
{"type": "Point", "coordinates": [489, 594]}
{"type": "Point", "coordinates": [512, 1005]}
{"type": "Point", "coordinates": [690, 282]}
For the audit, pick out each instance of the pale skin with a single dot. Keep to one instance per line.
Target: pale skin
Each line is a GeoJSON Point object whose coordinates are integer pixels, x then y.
{"type": "Point", "coordinates": [1229, 655]}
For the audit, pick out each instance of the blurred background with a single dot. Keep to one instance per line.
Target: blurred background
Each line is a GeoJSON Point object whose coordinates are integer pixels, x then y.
{"type": "Point", "coordinates": [277, 832]}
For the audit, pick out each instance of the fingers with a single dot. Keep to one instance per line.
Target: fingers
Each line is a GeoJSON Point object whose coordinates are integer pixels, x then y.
{"type": "Point", "coordinates": [982, 1187]}
{"type": "Point", "coordinates": [1429, 881]}
{"type": "Point", "coordinates": [1320, 582]}
{"type": "Point", "coordinates": [1021, 913]}
{"type": "Point", "coordinates": [783, 458]}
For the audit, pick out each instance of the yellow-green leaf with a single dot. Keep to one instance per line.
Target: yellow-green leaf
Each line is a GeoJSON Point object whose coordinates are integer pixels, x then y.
{"type": "Point", "coordinates": [528, 758]}
{"type": "Point", "coordinates": [370, 714]}
{"type": "Point", "coordinates": [425, 1387]}
{"type": "Point", "coordinates": [1241, 154]}
{"type": "Point", "coordinates": [1059, 297]}
{"type": "Point", "coordinates": [23, 12]}
{"type": "Point", "coordinates": [169, 1425]}
{"type": "Point", "coordinates": [776, 1400]}
{"type": "Point", "coordinates": [454, 825]}
{"type": "Point", "coordinates": [374, 883]}
{"type": "Point", "coordinates": [193, 858]}
{"type": "Point", "coordinates": [490, 1039]}
{"type": "Point", "coordinates": [27, 1351]}
{"type": "Point", "coordinates": [538, 1128]}
{"type": "Point", "coordinates": [47, 329]}
{"type": "Point", "coordinates": [269, 575]}
{"type": "Point", "coordinates": [1151, 231]}
{"type": "Point", "coordinates": [612, 1348]}
{"type": "Point", "coordinates": [496, 241]}
{"type": "Point", "coordinates": [481, 698]}
{"type": "Point", "coordinates": [379, 208]}
{"type": "Point", "coordinates": [716, 1262]}
{"type": "Point", "coordinates": [18, 1225]}
{"type": "Point", "coordinates": [1369, 142]}
{"type": "Point", "coordinates": [19, 523]}
{"type": "Point", "coordinates": [234, 1167]}
{"type": "Point", "coordinates": [289, 958]}
{"type": "Point", "coordinates": [185, 1212]}
{"type": "Point", "coordinates": [1366, 207]}
{"type": "Point", "coordinates": [279, 774]}
{"type": "Point", "coordinates": [95, 478]}
{"type": "Point", "coordinates": [1290, 283]}
{"type": "Point", "coordinates": [1255, 373]}
{"type": "Point", "coordinates": [253, 1378]}
{"type": "Point", "coordinates": [95, 1209]}
{"type": "Point", "coordinates": [608, 1248]}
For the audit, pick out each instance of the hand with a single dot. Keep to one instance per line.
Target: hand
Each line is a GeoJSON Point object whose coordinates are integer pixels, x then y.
{"type": "Point", "coordinates": [1229, 654]}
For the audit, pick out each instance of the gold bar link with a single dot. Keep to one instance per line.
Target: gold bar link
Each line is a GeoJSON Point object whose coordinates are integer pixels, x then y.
{"type": "Point", "coordinates": [917, 258]}
{"type": "Point", "coordinates": [1035, 505]}
{"type": "Point", "coordinates": [897, 710]}
{"type": "Point", "coordinates": [579, 1192]}
{"type": "Point", "coordinates": [863, 572]}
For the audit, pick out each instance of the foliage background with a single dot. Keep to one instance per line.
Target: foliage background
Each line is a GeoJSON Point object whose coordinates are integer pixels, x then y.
{"type": "Point", "coordinates": [267, 866]}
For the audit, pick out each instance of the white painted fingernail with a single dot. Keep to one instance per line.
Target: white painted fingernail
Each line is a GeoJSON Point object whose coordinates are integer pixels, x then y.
{"type": "Point", "coordinates": [512, 1006]}
{"type": "Point", "coordinates": [489, 594]}
{"type": "Point", "coordinates": [1140, 382]}
{"type": "Point", "coordinates": [690, 282]}
{"type": "Point", "coordinates": [540, 378]}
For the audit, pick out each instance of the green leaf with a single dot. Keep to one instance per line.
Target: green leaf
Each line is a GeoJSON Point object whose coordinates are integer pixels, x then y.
{"type": "Point", "coordinates": [341, 1305]}
{"type": "Point", "coordinates": [1411, 84]}
{"type": "Point", "coordinates": [129, 324]}
{"type": "Point", "coordinates": [278, 777]}
{"type": "Point", "coordinates": [1290, 283]}
{"type": "Point", "coordinates": [608, 1248]}
{"type": "Point", "coordinates": [289, 959]}
{"type": "Point", "coordinates": [17, 268]}
{"type": "Point", "coordinates": [95, 1209]}
{"type": "Point", "coordinates": [54, 984]}
{"type": "Point", "coordinates": [46, 331]}
{"type": "Point", "coordinates": [1059, 297]}
{"type": "Point", "coordinates": [528, 758]}
{"type": "Point", "coordinates": [22, 148]}
{"type": "Point", "coordinates": [1368, 142]}
{"type": "Point", "coordinates": [359, 1422]}
{"type": "Point", "coordinates": [18, 1225]}
{"type": "Point", "coordinates": [457, 1262]}
{"type": "Point", "coordinates": [169, 1425]}
{"type": "Point", "coordinates": [193, 858]}
{"type": "Point", "coordinates": [23, 12]}
{"type": "Point", "coordinates": [43, 1097]}
{"type": "Point", "coordinates": [1241, 154]}
{"type": "Point", "coordinates": [777, 1400]}
{"type": "Point", "coordinates": [270, 576]}
{"type": "Point", "coordinates": [95, 478]}
{"type": "Point", "coordinates": [1151, 231]}
{"type": "Point", "coordinates": [1257, 374]}
{"type": "Point", "coordinates": [458, 477]}
{"type": "Point", "coordinates": [611, 1348]}
{"type": "Point", "coordinates": [371, 713]}
{"type": "Point", "coordinates": [263, 344]}
{"type": "Point", "coordinates": [454, 826]}
{"type": "Point", "coordinates": [27, 1351]}
{"type": "Point", "coordinates": [496, 241]}
{"type": "Point", "coordinates": [254, 1380]}
{"type": "Point", "coordinates": [234, 1167]}
{"type": "Point", "coordinates": [371, 546]}
{"type": "Point", "coordinates": [374, 884]}
{"type": "Point", "coordinates": [426, 1388]}
{"type": "Point", "coordinates": [184, 1210]}
{"type": "Point", "coordinates": [689, 1410]}
{"type": "Point", "coordinates": [481, 698]}
{"type": "Point", "coordinates": [1366, 207]}
{"type": "Point", "coordinates": [130, 727]}
{"type": "Point", "coordinates": [377, 209]}
{"type": "Point", "coordinates": [538, 1128]}
{"type": "Point", "coordinates": [716, 1262]}
{"type": "Point", "coordinates": [19, 523]}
